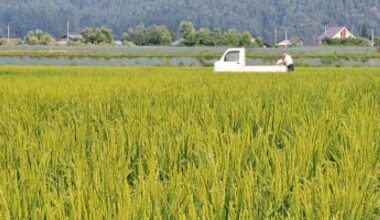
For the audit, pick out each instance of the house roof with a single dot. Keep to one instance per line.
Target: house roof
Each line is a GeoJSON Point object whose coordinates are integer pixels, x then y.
{"type": "Point", "coordinates": [285, 42]}
{"type": "Point", "coordinates": [289, 42]}
{"type": "Point", "coordinates": [330, 33]}
{"type": "Point", "coordinates": [71, 36]}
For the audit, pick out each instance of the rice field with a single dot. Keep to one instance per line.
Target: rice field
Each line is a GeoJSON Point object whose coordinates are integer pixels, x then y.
{"type": "Point", "coordinates": [184, 143]}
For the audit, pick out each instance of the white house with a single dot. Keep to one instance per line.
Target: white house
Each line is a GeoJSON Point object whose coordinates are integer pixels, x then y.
{"type": "Point", "coordinates": [335, 33]}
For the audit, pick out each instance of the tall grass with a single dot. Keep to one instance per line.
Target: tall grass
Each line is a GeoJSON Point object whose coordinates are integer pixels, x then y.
{"type": "Point", "coordinates": [172, 143]}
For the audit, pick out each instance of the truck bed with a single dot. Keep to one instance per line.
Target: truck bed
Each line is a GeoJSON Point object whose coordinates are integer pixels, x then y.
{"type": "Point", "coordinates": [256, 69]}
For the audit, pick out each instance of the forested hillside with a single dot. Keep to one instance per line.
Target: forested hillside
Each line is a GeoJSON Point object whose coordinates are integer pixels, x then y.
{"type": "Point", "coordinates": [304, 18]}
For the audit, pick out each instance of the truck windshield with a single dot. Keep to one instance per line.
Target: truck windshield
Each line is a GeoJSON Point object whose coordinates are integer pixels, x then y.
{"type": "Point", "coordinates": [232, 56]}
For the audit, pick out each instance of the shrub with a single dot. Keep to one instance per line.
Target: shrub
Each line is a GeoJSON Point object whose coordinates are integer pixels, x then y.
{"type": "Point", "coordinates": [39, 37]}
{"type": "Point", "coordinates": [97, 36]}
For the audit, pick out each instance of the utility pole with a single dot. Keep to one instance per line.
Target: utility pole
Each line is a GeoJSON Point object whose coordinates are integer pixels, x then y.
{"type": "Point", "coordinates": [286, 33]}
{"type": "Point", "coordinates": [68, 31]}
{"type": "Point", "coordinates": [8, 33]}
{"type": "Point", "coordinates": [373, 37]}
{"type": "Point", "coordinates": [275, 35]}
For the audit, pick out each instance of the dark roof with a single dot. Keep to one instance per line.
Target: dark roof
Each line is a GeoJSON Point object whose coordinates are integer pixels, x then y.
{"type": "Point", "coordinates": [71, 37]}
{"type": "Point", "coordinates": [310, 42]}
{"type": "Point", "coordinates": [289, 42]}
{"type": "Point", "coordinates": [294, 40]}
{"type": "Point", "coordinates": [330, 33]}
{"type": "Point", "coordinates": [266, 44]}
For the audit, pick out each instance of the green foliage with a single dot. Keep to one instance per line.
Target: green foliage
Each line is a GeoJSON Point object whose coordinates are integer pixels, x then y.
{"type": "Point", "coordinates": [159, 35]}
{"type": "Point", "coordinates": [377, 41]}
{"type": "Point", "coordinates": [232, 37]}
{"type": "Point", "coordinates": [136, 36]}
{"type": "Point", "coordinates": [204, 37]}
{"type": "Point", "coordinates": [344, 42]}
{"type": "Point", "coordinates": [153, 35]}
{"type": "Point", "coordinates": [304, 19]}
{"type": "Point", "coordinates": [97, 36]}
{"type": "Point", "coordinates": [183, 143]}
{"type": "Point", "coordinates": [39, 37]}
{"type": "Point", "coordinates": [218, 37]}
{"type": "Point", "coordinates": [10, 42]}
{"type": "Point", "coordinates": [75, 42]}
{"type": "Point", "coordinates": [259, 42]}
{"type": "Point", "coordinates": [245, 39]}
{"type": "Point", "coordinates": [188, 33]}
{"type": "Point", "coordinates": [364, 31]}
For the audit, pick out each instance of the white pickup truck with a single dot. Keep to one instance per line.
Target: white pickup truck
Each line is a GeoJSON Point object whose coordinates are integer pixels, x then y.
{"type": "Point", "coordinates": [233, 60]}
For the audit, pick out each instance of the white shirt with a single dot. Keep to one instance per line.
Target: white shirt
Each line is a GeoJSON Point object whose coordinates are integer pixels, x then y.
{"type": "Point", "coordinates": [288, 60]}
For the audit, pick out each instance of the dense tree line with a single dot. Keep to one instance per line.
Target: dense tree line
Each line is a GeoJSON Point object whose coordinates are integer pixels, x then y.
{"type": "Point", "coordinates": [345, 42]}
{"type": "Point", "coordinates": [304, 18]}
{"type": "Point", "coordinates": [205, 37]}
{"type": "Point", "coordinates": [153, 35]}
{"type": "Point", "coordinates": [160, 35]}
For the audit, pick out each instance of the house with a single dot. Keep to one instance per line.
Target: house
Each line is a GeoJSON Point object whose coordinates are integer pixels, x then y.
{"type": "Point", "coordinates": [335, 33]}
{"type": "Point", "coordinates": [292, 42]}
{"type": "Point", "coordinates": [71, 37]}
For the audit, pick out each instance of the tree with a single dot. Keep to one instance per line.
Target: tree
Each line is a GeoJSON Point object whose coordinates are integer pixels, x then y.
{"type": "Point", "coordinates": [158, 35]}
{"type": "Point", "coordinates": [39, 37]}
{"type": "Point", "coordinates": [205, 38]}
{"type": "Point", "coordinates": [259, 42]}
{"type": "Point", "coordinates": [232, 37]}
{"type": "Point", "coordinates": [218, 37]}
{"type": "Point", "coordinates": [97, 36]}
{"type": "Point", "coordinates": [153, 35]}
{"type": "Point", "coordinates": [245, 39]}
{"type": "Point", "coordinates": [364, 32]}
{"type": "Point", "coordinates": [136, 35]}
{"type": "Point", "coordinates": [307, 19]}
{"type": "Point", "coordinates": [377, 41]}
{"type": "Point", "coordinates": [188, 33]}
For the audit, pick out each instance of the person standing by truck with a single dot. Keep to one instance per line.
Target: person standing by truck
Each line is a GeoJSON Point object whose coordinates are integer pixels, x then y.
{"type": "Point", "coordinates": [287, 61]}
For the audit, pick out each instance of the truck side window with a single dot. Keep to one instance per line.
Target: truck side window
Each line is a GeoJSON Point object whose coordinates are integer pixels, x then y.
{"type": "Point", "coordinates": [232, 56]}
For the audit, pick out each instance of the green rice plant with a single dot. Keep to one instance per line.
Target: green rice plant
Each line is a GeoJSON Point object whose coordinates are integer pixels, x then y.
{"type": "Point", "coordinates": [184, 143]}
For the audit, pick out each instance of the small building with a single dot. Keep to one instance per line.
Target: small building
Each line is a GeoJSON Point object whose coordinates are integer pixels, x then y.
{"type": "Point", "coordinates": [66, 38]}
{"type": "Point", "coordinates": [335, 33]}
{"type": "Point", "coordinates": [292, 42]}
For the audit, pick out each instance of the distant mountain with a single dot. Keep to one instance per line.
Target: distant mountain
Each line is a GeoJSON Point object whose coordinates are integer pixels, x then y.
{"type": "Point", "coordinates": [303, 18]}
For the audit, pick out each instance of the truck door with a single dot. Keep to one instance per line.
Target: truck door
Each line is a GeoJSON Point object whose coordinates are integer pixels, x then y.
{"type": "Point", "coordinates": [232, 60]}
